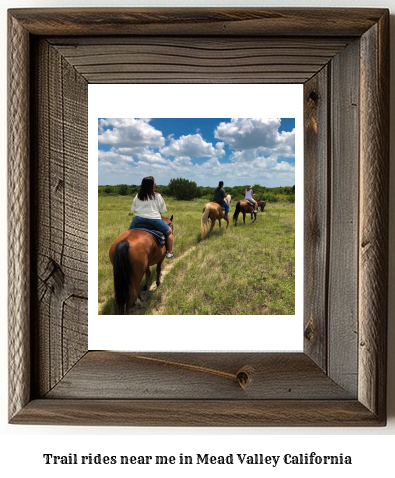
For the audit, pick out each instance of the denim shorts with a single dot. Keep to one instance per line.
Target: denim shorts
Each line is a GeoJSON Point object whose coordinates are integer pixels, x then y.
{"type": "Point", "coordinates": [158, 223]}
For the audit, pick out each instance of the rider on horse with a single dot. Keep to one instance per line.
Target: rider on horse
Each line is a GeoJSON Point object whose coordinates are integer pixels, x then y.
{"type": "Point", "coordinates": [248, 195]}
{"type": "Point", "coordinates": [219, 198]}
{"type": "Point", "coordinates": [148, 206]}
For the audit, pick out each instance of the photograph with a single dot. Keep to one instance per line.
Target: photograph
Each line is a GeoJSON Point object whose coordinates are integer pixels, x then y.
{"type": "Point", "coordinates": [171, 192]}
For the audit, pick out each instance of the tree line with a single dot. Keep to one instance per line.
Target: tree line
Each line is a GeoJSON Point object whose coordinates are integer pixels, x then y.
{"type": "Point", "coordinates": [186, 190]}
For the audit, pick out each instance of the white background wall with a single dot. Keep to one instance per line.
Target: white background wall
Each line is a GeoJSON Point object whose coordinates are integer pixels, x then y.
{"type": "Point", "coordinates": [23, 447]}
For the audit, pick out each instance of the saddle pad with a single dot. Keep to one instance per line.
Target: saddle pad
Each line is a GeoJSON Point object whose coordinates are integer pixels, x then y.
{"type": "Point", "coordinates": [220, 205]}
{"type": "Point", "coordinates": [158, 236]}
{"type": "Point", "coordinates": [148, 227]}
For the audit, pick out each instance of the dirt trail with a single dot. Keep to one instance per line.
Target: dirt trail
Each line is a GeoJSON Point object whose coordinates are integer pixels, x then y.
{"type": "Point", "coordinates": [166, 268]}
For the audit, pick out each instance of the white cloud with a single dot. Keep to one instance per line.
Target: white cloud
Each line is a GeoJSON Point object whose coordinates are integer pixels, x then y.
{"type": "Point", "coordinates": [258, 169]}
{"type": "Point", "coordinates": [253, 133]}
{"type": "Point", "coordinates": [182, 161]}
{"type": "Point", "coordinates": [192, 145]}
{"type": "Point", "coordinates": [113, 156]}
{"type": "Point", "coordinates": [129, 133]}
{"type": "Point", "coordinates": [149, 156]}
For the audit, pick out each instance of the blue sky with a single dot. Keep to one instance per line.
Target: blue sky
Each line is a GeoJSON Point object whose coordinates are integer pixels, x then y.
{"type": "Point", "coordinates": [237, 151]}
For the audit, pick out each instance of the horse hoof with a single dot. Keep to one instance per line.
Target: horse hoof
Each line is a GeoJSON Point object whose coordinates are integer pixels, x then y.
{"type": "Point", "coordinates": [139, 304]}
{"type": "Point", "coordinates": [145, 288]}
{"type": "Point", "coordinates": [157, 284]}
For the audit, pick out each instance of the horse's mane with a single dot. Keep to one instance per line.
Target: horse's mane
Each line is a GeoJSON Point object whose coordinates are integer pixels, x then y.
{"type": "Point", "coordinates": [228, 199]}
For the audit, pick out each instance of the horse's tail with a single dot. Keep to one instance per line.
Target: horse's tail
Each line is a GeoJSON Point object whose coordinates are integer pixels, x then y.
{"type": "Point", "coordinates": [122, 270]}
{"type": "Point", "coordinates": [237, 211]}
{"type": "Point", "coordinates": [205, 215]}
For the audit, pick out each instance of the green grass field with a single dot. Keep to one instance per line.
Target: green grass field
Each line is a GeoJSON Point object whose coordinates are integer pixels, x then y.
{"type": "Point", "coordinates": [248, 269]}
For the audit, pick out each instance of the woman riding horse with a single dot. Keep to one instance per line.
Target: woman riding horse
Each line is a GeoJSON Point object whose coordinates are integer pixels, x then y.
{"type": "Point", "coordinates": [134, 251]}
{"type": "Point", "coordinates": [219, 198]}
{"type": "Point", "coordinates": [148, 207]}
{"type": "Point", "coordinates": [213, 211]}
{"type": "Point", "coordinates": [244, 207]}
{"type": "Point", "coordinates": [132, 254]}
{"type": "Point", "coordinates": [248, 195]}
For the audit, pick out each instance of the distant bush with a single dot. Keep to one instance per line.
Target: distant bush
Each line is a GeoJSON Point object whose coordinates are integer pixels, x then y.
{"type": "Point", "coordinates": [123, 189]}
{"type": "Point", "coordinates": [163, 190]}
{"type": "Point", "coordinates": [183, 189]}
{"type": "Point", "coordinates": [118, 190]}
{"type": "Point", "coordinates": [270, 197]}
{"type": "Point", "coordinates": [281, 198]}
{"type": "Point", "coordinates": [105, 190]}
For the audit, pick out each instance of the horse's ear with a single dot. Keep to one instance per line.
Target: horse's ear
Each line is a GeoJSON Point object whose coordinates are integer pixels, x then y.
{"type": "Point", "coordinates": [171, 219]}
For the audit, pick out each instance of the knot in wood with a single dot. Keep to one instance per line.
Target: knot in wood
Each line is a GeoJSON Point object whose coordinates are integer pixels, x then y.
{"type": "Point", "coordinates": [313, 96]}
{"type": "Point", "coordinates": [244, 376]}
{"type": "Point", "coordinates": [308, 332]}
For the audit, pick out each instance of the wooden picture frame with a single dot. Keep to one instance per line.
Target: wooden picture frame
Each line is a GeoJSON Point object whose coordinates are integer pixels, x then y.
{"type": "Point", "coordinates": [342, 58]}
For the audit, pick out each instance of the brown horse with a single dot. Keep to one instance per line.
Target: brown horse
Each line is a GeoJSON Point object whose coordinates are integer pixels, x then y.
{"type": "Point", "coordinates": [245, 207]}
{"type": "Point", "coordinates": [213, 211]}
{"type": "Point", "coordinates": [132, 254]}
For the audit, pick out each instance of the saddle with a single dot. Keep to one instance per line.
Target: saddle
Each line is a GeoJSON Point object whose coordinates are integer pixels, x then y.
{"type": "Point", "coordinates": [158, 236]}
{"type": "Point", "coordinates": [220, 205]}
{"type": "Point", "coordinates": [250, 202]}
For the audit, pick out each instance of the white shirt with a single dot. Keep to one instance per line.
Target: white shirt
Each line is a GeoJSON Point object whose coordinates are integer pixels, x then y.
{"type": "Point", "coordinates": [248, 193]}
{"type": "Point", "coordinates": [150, 209]}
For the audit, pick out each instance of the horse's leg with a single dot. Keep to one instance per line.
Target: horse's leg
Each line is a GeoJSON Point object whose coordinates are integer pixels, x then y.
{"type": "Point", "coordinates": [244, 217]}
{"type": "Point", "coordinates": [158, 272]}
{"type": "Point", "coordinates": [135, 298]}
{"type": "Point", "coordinates": [147, 278]}
{"type": "Point", "coordinates": [212, 219]}
{"type": "Point", "coordinates": [134, 295]}
{"type": "Point", "coordinates": [219, 222]}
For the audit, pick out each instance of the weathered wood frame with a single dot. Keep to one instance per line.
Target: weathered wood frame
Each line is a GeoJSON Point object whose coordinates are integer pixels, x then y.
{"type": "Point", "coordinates": [342, 58]}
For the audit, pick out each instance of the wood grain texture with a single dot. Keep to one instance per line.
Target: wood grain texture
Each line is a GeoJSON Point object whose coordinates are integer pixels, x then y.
{"type": "Point", "coordinates": [18, 218]}
{"type": "Point", "coordinates": [259, 22]}
{"type": "Point", "coordinates": [202, 413]}
{"type": "Point", "coordinates": [317, 204]}
{"type": "Point", "coordinates": [284, 376]}
{"type": "Point", "coordinates": [61, 206]}
{"type": "Point", "coordinates": [188, 59]}
{"type": "Point", "coordinates": [373, 237]}
{"type": "Point", "coordinates": [343, 221]}
{"type": "Point", "coordinates": [49, 300]}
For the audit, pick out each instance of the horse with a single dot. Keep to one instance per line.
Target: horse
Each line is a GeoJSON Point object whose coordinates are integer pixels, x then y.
{"type": "Point", "coordinates": [132, 254]}
{"type": "Point", "coordinates": [245, 207]}
{"type": "Point", "coordinates": [213, 211]}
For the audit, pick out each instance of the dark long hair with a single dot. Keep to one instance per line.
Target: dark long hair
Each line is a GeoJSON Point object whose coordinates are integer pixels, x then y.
{"type": "Point", "coordinates": [147, 189]}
